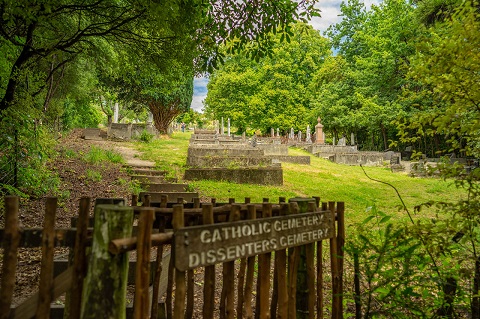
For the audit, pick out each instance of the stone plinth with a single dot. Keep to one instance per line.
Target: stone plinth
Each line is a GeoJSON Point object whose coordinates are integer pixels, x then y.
{"type": "Point", "coordinates": [319, 139]}
{"type": "Point", "coordinates": [92, 134]}
{"type": "Point", "coordinates": [262, 176]}
{"type": "Point", "coordinates": [227, 161]}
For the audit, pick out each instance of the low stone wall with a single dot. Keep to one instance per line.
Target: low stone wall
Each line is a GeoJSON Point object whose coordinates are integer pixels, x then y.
{"type": "Point", "coordinates": [273, 149]}
{"type": "Point", "coordinates": [324, 148]}
{"type": "Point", "coordinates": [263, 176]}
{"type": "Point", "coordinates": [289, 159]}
{"type": "Point", "coordinates": [92, 134]}
{"type": "Point", "coordinates": [227, 161]}
{"type": "Point", "coordinates": [364, 158]}
{"type": "Point", "coordinates": [122, 131]}
{"type": "Point", "coordinates": [138, 128]}
{"type": "Point", "coordinates": [204, 131]}
{"type": "Point", "coordinates": [225, 152]}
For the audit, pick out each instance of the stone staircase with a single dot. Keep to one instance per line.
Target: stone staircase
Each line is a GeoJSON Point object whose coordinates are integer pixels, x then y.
{"type": "Point", "coordinates": [158, 184]}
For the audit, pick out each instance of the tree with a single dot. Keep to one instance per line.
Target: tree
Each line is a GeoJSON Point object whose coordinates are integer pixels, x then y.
{"type": "Point", "coordinates": [42, 30]}
{"type": "Point", "coordinates": [273, 91]}
{"type": "Point", "coordinates": [374, 49]}
{"type": "Point", "coordinates": [447, 67]}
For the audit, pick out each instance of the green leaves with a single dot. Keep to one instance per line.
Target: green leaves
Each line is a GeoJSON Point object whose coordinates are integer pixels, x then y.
{"type": "Point", "coordinates": [265, 89]}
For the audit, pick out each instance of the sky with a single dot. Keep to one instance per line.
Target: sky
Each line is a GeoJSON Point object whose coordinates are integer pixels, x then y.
{"type": "Point", "coordinates": [330, 11]}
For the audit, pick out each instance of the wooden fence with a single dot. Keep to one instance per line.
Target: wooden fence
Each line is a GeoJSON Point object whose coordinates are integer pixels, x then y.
{"type": "Point", "coordinates": [255, 260]}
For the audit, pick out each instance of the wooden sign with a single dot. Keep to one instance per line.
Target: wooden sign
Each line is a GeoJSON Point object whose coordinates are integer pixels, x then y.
{"type": "Point", "coordinates": [200, 246]}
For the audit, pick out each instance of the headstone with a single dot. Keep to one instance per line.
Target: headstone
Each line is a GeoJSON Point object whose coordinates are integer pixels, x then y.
{"type": "Point", "coordinates": [319, 133]}
{"type": "Point", "coordinates": [333, 142]}
{"type": "Point", "coordinates": [150, 118]}
{"type": "Point", "coordinates": [216, 126]}
{"type": "Point", "coordinates": [228, 126]}
{"type": "Point", "coordinates": [223, 127]}
{"type": "Point", "coordinates": [341, 141]}
{"type": "Point", "coordinates": [308, 138]}
{"type": "Point", "coordinates": [254, 140]}
{"type": "Point", "coordinates": [292, 133]}
{"type": "Point", "coordinates": [278, 132]}
{"type": "Point", "coordinates": [272, 132]}
{"type": "Point", "coordinates": [299, 136]}
{"type": "Point", "coordinates": [115, 113]}
{"type": "Point", "coordinates": [352, 139]}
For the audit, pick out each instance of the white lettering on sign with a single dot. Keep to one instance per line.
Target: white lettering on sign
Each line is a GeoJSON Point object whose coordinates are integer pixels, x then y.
{"type": "Point", "coordinates": [226, 233]}
{"type": "Point", "coordinates": [212, 244]}
{"type": "Point", "coordinates": [212, 256]}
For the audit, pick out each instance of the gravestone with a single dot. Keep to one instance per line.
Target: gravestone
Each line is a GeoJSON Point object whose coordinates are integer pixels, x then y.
{"type": "Point", "coordinates": [299, 136]}
{"type": "Point", "coordinates": [292, 133]}
{"type": "Point", "coordinates": [150, 118]}
{"type": "Point", "coordinates": [319, 132]}
{"type": "Point", "coordinates": [308, 139]}
{"type": "Point", "coordinates": [115, 113]}
{"type": "Point", "coordinates": [278, 132]}
{"type": "Point", "coordinates": [254, 140]}
{"type": "Point", "coordinates": [272, 132]}
{"type": "Point", "coordinates": [223, 128]}
{"type": "Point", "coordinates": [352, 139]}
{"type": "Point", "coordinates": [228, 126]}
{"type": "Point", "coordinates": [342, 142]}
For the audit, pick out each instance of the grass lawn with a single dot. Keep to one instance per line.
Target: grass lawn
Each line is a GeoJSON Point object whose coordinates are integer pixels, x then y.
{"type": "Point", "coordinates": [330, 181]}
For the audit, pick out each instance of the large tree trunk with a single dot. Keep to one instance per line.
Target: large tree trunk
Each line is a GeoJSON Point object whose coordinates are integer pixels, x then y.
{"type": "Point", "coordinates": [163, 114]}
{"type": "Point", "coordinates": [13, 81]}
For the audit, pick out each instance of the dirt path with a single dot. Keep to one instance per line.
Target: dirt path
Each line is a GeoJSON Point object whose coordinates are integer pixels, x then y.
{"type": "Point", "coordinates": [126, 149]}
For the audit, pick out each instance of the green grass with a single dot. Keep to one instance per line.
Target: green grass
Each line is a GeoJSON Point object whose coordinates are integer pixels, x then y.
{"type": "Point", "coordinates": [330, 181]}
{"type": "Point", "coordinates": [97, 155]}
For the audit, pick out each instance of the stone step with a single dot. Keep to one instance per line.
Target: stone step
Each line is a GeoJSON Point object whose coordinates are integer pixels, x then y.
{"type": "Point", "coordinates": [148, 179]}
{"type": "Point", "coordinates": [147, 171]}
{"type": "Point", "coordinates": [172, 196]}
{"type": "Point", "coordinates": [164, 187]}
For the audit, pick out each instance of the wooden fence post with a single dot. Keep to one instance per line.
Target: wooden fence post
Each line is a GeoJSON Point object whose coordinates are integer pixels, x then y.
{"type": "Point", "coordinates": [142, 271]}
{"type": "Point", "coordinates": [73, 303]}
{"type": "Point", "coordinates": [209, 277]}
{"type": "Point", "coordinates": [336, 306]}
{"type": "Point", "coordinates": [180, 290]}
{"type": "Point", "coordinates": [281, 270]}
{"type": "Point", "coordinates": [247, 297]}
{"type": "Point", "coordinates": [10, 246]}
{"type": "Point", "coordinates": [158, 270]}
{"type": "Point", "coordinates": [106, 282]}
{"type": "Point", "coordinates": [340, 254]}
{"type": "Point", "coordinates": [303, 302]}
{"type": "Point", "coordinates": [264, 272]}
{"type": "Point", "coordinates": [45, 289]}
{"type": "Point", "coordinates": [293, 261]}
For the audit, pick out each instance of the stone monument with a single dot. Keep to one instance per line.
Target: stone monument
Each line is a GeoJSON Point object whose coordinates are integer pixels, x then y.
{"type": "Point", "coordinates": [319, 132]}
